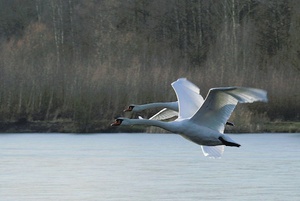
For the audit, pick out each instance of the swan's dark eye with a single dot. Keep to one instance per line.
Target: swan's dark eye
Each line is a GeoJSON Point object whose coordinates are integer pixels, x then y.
{"type": "Point", "coordinates": [129, 109]}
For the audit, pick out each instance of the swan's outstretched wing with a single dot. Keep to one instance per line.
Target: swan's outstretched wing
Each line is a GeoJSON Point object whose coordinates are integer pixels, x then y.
{"type": "Point", "coordinates": [213, 151]}
{"type": "Point", "coordinates": [186, 83]}
{"type": "Point", "coordinates": [188, 96]}
{"type": "Point", "coordinates": [220, 102]}
{"type": "Point", "coordinates": [164, 114]}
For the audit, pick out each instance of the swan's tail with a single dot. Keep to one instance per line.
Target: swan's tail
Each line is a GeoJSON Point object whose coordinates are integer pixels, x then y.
{"type": "Point", "coordinates": [213, 151]}
{"type": "Point", "coordinates": [226, 140]}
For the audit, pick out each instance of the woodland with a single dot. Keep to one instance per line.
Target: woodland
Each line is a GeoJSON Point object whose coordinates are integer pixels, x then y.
{"type": "Point", "coordinates": [81, 62]}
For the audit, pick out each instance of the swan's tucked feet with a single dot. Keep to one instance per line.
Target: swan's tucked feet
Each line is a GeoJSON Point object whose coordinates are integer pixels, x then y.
{"type": "Point", "coordinates": [226, 143]}
{"type": "Point", "coordinates": [229, 123]}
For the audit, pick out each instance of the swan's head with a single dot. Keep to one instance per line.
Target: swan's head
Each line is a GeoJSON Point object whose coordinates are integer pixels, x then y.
{"type": "Point", "coordinates": [133, 108]}
{"type": "Point", "coordinates": [130, 108]}
{"type": "Point", "coordinates": [120, 121]}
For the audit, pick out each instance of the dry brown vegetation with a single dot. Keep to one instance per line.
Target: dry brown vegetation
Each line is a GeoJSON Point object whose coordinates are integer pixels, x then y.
{"type": "Point", "coordinates": [84, 61]}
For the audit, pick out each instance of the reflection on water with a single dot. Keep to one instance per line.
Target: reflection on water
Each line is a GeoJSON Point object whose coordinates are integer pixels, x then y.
{"type": "Point", "coordinates": [146, 167]}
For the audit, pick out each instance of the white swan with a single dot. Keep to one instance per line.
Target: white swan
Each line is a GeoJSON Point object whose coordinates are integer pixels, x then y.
{"type": "Point", "coordinates": [171, 108]}
{"type": "Point", "coordinates": [206, 126]}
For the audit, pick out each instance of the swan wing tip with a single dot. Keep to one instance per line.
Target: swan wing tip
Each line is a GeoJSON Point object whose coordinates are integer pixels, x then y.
{"type": "Point", "coordinates": [213, 151]}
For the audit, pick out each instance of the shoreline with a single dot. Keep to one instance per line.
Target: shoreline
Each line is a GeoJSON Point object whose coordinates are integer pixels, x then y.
{"type": "Point", "coordinates": [104, 127]}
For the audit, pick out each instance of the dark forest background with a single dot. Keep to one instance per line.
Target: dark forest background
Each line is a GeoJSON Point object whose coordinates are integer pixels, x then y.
{"type": "Point", "coordinates": [85, 61]}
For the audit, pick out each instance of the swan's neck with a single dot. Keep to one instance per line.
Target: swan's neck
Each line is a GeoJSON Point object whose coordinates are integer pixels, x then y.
{"type": "Point", "coordinates": [170, 126]}
{"type": "Point", "coordinates": [170, 105]}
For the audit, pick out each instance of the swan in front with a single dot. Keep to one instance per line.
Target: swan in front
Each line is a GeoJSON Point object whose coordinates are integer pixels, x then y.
{"type": "Point", "coordinates": [206, 125]}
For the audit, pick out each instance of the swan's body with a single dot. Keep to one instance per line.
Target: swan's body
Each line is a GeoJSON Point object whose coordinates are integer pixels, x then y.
{"type": "Point", "coordinates": [183, 127]}
{"type": "Point", "coordinates": [203, 125]}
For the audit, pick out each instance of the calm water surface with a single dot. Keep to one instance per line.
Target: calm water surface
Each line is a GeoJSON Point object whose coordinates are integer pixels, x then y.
{"type": "Point", "coordinates": [137, 167]}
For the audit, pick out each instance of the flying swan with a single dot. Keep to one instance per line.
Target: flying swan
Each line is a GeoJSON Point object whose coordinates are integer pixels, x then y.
{"type": "Point", "coordinates": [170, 109]}
{"type": "Point", "coordinates": [206, 125]}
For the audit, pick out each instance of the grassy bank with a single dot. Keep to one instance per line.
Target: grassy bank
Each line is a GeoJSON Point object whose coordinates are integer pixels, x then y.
{"type": "Point", "coordinates": [104, 127]}
{"type": "Point", "coordinates": [52, 127]}
{"type": "Point", "coordinates": [282, 127]}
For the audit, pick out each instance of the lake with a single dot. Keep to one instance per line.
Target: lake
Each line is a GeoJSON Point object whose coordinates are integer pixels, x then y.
{"type": "Point", "coordinates": [135, 167]}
